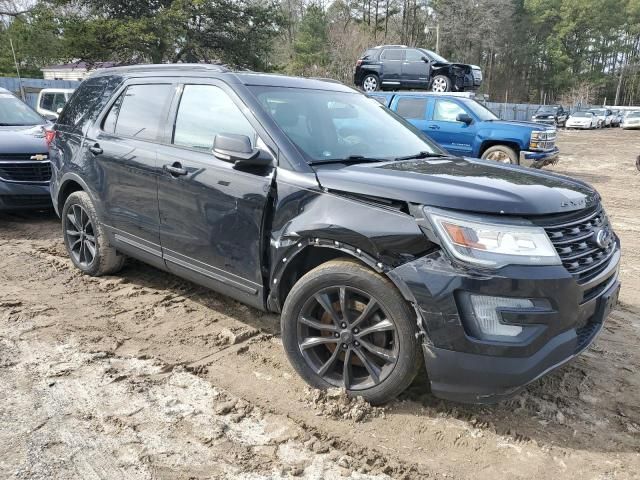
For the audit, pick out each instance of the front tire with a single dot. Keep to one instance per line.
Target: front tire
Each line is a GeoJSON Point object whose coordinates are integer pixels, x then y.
{"type": "Point", "coordinates": [370, 83]}
{"type": "Point", "coordinates": [345, 326]}
{"type": "Point", "coordinates": [441, 84]}
{"type": "Point", "coordinates": [501, 154]}
{"type": "Point", "coordinates": [85, 239]}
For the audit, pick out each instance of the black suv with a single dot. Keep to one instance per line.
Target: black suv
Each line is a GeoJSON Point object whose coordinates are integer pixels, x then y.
{"type": "Point", "coordinates": [394, 67]}
{"type": "Point", "coordinates": [551, 115]}
{"type": "Point", "coordinates": [307, 198]}
{"type": "Point", "coordinates": [24, 165]}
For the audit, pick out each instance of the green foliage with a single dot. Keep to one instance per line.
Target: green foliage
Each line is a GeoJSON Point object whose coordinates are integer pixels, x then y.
{"type": "Point", "coordinates": [37, 42]}
{"type": "Point", "coordinates": [311, 46]}
{"type": "Point", "coordinates": [237, 32]}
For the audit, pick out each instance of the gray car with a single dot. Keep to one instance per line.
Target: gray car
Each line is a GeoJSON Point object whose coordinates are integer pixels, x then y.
{"type": "Point", "coordinates": [25, 170]}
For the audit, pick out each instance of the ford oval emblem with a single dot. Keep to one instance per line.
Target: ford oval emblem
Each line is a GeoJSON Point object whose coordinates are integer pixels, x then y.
{"type": "Point", "coordinates": [603, 237]}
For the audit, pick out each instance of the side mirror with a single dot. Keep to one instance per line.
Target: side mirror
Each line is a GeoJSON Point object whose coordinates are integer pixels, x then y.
{"type": "Point", "coordinates": [59, 111]}
{"type": "Point", "coordinates": [237, 149]}
{"type": "Point", "coordinates": [464, 118]}
{"type": "Point", "coordinates": [425, 59]}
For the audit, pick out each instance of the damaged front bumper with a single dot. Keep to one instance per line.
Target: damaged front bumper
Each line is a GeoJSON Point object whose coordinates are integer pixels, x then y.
{"type": "Point", "coordinates": [465, 369]}
{"type": "Point", "coordinates": [539, 159]}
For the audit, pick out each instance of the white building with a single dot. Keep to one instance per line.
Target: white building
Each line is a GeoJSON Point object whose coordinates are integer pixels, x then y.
{"type": "Point", "coordinates": [73, 71]}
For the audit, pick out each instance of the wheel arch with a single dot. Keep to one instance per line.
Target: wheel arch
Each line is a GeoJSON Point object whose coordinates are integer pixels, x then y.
{"type": "Point", "coordinates": [310, 255]}
{"type": "Point", "coordinates": [487, 144]}
{"type": "Point", "coordinates": [72, 183]}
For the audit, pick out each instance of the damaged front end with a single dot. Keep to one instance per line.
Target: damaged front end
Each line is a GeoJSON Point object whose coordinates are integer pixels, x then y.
{"type": "Point", "coordinates": [463, 77]}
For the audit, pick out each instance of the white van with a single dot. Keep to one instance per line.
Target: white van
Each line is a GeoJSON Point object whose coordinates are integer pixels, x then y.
{"type": "Point", "coordinates": [52, 100]}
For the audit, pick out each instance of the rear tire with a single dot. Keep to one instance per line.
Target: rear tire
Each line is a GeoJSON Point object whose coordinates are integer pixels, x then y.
{"type": "Point", "coordinates": [345, 326]}
{"type": "Point", "coordinates": [86, 242]}
{"type": "Point", "coordinates": [501, 154]}
{"type": "Point", "coordinates": [371, 83]}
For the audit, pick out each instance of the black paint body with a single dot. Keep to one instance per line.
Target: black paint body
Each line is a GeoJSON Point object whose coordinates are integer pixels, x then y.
{"type": "Point", "coordinates": [251, 233]}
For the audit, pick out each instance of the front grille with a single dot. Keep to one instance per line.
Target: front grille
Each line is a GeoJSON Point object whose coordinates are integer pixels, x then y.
{"type": "Point", "coordinates": [25, 171]}
{"type": "Point", "coordinates": [548, 145]}
{"type": "Point", "coordinates": [573, 236]}
{"type": "Point", "coordinates": [17, 156]}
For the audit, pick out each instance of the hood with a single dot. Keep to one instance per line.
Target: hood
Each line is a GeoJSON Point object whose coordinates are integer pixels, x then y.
{"type": "Point", "coordinates": [521, 123]}
{"type": "Point", "coordinates": [464, 66]}
{"type": "Point", "coordinates": [461, 184]}
{"type": "Point", "coordinates": [22, 140]}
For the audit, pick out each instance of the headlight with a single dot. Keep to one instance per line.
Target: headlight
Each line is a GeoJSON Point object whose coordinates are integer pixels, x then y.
{"type": "Point", "coordinates": [538, 135]}
{"type": "Point", "coordinates": [492, 244]}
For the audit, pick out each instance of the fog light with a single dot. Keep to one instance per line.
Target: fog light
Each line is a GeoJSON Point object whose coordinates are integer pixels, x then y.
{"type": "Point", "coordinates": [486, 312]}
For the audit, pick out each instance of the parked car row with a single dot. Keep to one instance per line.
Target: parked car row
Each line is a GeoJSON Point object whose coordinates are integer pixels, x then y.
{"type": "Point", "coordinates": [380, 250]}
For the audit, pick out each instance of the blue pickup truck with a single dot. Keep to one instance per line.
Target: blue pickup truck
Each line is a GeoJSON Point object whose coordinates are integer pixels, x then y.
{"type": "Point", "coordinates": [465, 127]}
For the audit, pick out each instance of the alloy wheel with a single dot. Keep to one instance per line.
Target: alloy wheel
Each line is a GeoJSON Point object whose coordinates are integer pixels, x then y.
{"type": "Point", "coordinates": [80, 235]}
{"type": "Point", "coordinates": [370, 84]}
{"type": "Point", "coordinates": [347, 338]}
{"type": "Point", "coordinates": [439, 85]}
{"type": "Point", "coordinates": [499, 156]}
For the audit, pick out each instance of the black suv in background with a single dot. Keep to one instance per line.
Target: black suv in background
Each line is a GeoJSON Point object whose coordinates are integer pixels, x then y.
{"type": "Point", "coordinates": [551, 115]}
{"type": "Point", "coordinates": [394, 67]}
{"type": "Point", "coordinates": [307, 198]}
{"type": "Point", "coordinates": [24, 162]}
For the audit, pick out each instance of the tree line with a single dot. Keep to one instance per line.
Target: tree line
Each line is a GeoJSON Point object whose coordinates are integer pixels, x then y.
{"type": "Point", "coordinates": [539, 51]}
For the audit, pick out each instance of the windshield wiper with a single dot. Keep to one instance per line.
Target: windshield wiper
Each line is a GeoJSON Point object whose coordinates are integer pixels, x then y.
{"type": "Point", "coordinates": [423, 154]}
{"type": "Point", "coordinates": [349, 159]}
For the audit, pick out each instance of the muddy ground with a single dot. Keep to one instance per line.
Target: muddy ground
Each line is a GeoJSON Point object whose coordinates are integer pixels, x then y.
{"type": "Point", "coordinates": [146, 376]}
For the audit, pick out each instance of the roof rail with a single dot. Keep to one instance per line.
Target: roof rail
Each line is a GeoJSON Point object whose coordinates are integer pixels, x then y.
{"type": "Point", "coordinates": [214, 67]}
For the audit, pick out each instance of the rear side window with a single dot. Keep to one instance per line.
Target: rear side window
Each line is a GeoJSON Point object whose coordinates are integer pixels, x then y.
{"type": "Point", "coordinates": [204, 112]}
{"type": "Point", "coordinates": [369, 54]}
{"type": "Point", "coordinates": [88, 100]}
{"type": "Point", "coordinates": [393, 54]}
{"type": "Point", "coordinates": [138, 111]}
{"type": "Point", "coordinates": [412, 107]}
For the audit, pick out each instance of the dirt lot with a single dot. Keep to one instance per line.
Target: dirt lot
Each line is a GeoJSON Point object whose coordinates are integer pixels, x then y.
{"type": "Point", "coordinates": [147, 376]}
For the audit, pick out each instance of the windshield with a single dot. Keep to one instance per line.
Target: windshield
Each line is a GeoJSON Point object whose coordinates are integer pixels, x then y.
{"type": "Point", "coordinates": [436, 57]}
{"type": "Point", "coordinates": [330, 125]}
{"type": "Point", "coordinates": [13, 112]}
{"type": "Point", "coordinates": [480, 111]}
{"type": "Point", "coordinates": [582, 114]}
{"type": "Point", "coordinates": [547, 109]}
{"type": "Point", "coordinates": [634, 115]}
{"type": "Point", "coordinates": [598, 112]}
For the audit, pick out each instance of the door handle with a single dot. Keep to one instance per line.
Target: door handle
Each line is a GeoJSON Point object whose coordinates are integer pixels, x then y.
{"type": "Point", "coordinates": [176, 169]}
{"type": "Point", "coordinates": [95, 149]}
{"type": "Point", "coordinates": [434, 127]}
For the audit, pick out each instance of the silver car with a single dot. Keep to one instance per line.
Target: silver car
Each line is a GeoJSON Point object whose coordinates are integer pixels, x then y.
{"type": "Point", "coordinates": [631, 121]}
